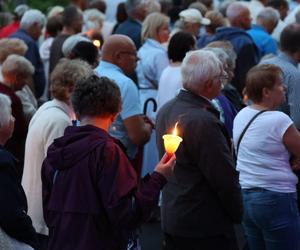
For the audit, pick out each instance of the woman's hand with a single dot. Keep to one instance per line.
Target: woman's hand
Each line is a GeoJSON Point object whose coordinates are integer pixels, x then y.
{"type": "Point", "coordinates": [166, 165]}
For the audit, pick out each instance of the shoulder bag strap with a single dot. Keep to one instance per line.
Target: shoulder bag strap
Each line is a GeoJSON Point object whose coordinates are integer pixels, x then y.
{"type": "Point", "coordinates": [245, 129]}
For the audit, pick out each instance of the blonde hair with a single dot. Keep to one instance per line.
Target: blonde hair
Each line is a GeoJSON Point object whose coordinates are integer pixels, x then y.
{"type": "Point", "coordinates": [151, 25]}
{"type": "Point", "coordinates": [17, 65]}
{"type": "Point", "coordinates": [10, 46]}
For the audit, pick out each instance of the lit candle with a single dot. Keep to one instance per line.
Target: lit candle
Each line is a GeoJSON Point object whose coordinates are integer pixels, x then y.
{"type": "Point", "coordinates": [97, 43]}
{"type": "Point", "coordinates": [172, 141]}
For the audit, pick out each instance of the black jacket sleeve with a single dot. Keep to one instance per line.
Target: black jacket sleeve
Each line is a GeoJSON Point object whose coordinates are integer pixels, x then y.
{"type": "Point", "coordinates": [13, 215]}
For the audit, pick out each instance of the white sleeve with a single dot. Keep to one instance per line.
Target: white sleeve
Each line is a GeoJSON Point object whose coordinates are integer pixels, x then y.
{"type": "Point", "coordinates": [283, 122]}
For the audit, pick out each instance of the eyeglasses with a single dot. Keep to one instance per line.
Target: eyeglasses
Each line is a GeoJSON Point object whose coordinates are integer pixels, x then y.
{"type": "Point", "coordinates": [223, 78]}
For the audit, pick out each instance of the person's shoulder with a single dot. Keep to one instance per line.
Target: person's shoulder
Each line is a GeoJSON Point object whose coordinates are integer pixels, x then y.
{"type": "Point", "coordinates": [278, 116]}
{"type": "Point", "coordinates": [6, 159]}
{"type": "Point", "coordinates": [126, 26]}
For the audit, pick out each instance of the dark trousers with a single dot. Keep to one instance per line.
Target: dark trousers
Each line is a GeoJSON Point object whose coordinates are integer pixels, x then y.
{"type": "Point", "coordinates": [221, 242]}
{"type": "Point", "coordinates": [42, 242]}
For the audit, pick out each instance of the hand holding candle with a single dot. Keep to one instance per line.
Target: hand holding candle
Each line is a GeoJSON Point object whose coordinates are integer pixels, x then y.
{"type": "Point", "coordinates": [172, 141]}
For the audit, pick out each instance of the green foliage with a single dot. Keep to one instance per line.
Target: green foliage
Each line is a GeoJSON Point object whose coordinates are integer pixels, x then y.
{"type": "Point", "coordinates": [42, 5]}
{"type": "Point", "coordinates": [45, 5]}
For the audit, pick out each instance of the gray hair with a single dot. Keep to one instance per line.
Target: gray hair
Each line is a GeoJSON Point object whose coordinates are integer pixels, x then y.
{"type": "Point", "coordinates": [132, 5]}
{"type": "Point", "coordinates": [268, 14]}
{"type": "Point", "coordinates": [65, 75]}
{"type": "Point", "coordinates": [71, 42]}
{"type": "Point", "coordinates": [31, 17]}
{"type": "Point", "coordinates": [5, 110]}
{"type": "Point", "coordinates": [10, 46]}
{"type": "Point", "coordinates": [93, 18]}
{"type": "Point", "coordinates": [15, 64]}
{"type": "Point", "coordinates": [198, 67]}
{"type": "Point", "coordinates": [228, 49]}
{"type": "Point", "coordinates": [234, 10]}
{"type": "Point", "coordinates": [220, 53]}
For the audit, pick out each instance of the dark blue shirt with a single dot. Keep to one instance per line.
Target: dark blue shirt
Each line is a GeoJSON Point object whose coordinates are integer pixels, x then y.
{"type": "Point", "coordinates": [131, 28]}
{"type": "Point", "coordinates": [33, 56]}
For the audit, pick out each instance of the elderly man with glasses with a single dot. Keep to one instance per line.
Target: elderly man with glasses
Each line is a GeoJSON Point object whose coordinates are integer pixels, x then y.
{"type": "Point", "coordinates": [119, 59]}
{"type": "Point", "coordinates": [202, 199]}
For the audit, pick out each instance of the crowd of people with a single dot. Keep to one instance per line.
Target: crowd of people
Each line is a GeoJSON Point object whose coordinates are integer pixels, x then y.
{"type": "Point", "coordinates": [87, 92]}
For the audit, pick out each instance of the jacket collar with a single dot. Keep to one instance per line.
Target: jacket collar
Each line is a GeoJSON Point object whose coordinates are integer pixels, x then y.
{"type": "Point", "coordinates": [202, 102]}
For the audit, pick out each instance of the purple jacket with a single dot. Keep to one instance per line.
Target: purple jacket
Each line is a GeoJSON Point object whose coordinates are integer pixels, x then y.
{"type": "Point", "coordinates": [91, 197]}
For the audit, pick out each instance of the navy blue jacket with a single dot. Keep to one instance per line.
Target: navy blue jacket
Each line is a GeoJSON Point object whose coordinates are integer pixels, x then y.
{"type": "Point", "coordinates": [33, 55]}
{"type": "Point", "coordinates": [244, 47]}
{"type": "Point", "coordinates": [133, 29]}
{"type": "Point", "coordinates": [91, 197]}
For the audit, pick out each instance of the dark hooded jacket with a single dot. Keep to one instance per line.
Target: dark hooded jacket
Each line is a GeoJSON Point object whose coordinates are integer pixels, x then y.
{"type": "Point", "coordinates": [91, 199]}
{"type": "Point", "coordinates": [244, 47]}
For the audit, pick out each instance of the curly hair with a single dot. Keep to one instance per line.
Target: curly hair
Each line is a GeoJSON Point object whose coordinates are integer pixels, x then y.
{"type": "Point", "coordinates": [96, 96]}
{"type": "Point", "coordinates": [65, 75]}
{"type": "Point", "coordinates": [10, 46]}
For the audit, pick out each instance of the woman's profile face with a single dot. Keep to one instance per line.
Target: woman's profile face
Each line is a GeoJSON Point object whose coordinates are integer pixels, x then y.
{"type": "Point", "coordinates": [278, 92]}
{"type": "Point", "coordinates": [163, 33]}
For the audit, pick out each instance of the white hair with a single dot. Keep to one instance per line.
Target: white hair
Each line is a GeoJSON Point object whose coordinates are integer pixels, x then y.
{"type": "Point", "coordinates": [269, 14]}
{"type": "Point", "coordinates": [31, 17]}
{"type": "Point", "coordinates": [5, 110]}
{"type": "Point", "coordinates": [220, 53]}
{"type": "Point", "coordinates": [71, 42]}
{"type": "Point", "coordinates": [54, 11]}
{"type": "Point", "coordinates": [15, 64]}
{"type": "Point", "coordinates": [93, 19]}
{"type": "Point", "coordinates": [198, 67]}
{"type": "Point", "coordinates": [235, 10]}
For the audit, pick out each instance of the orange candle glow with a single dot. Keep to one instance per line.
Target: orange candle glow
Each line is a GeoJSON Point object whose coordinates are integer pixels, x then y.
{"type": "Point", "coordinates": [172, 141]}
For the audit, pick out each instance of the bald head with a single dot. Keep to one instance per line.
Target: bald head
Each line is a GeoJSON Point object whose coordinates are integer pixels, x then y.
{"type": "Point", "coordinates": [121, 51]}
{"type": "Point", "coordinates": [239, 15]}
{"type": "Point", "coordinates": [114, 44]}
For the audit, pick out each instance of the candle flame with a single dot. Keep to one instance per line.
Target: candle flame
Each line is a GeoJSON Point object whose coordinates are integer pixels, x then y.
{"type": "Point", "coordinates": [97, 43]}
{"type": "Point", "coordinates": [175, 129]}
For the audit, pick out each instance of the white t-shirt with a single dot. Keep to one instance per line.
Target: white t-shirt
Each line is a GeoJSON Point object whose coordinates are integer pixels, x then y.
{"type": "Point", "coordinates": [169, 84]}
{"type": "Point", "coordinates": [263, 160]}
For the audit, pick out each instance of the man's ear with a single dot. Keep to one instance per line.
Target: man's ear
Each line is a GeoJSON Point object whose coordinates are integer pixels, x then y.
{"type": "Point", "coordinates": [117, 55]}
{"type": "Point", "coordinates": [209, 85]}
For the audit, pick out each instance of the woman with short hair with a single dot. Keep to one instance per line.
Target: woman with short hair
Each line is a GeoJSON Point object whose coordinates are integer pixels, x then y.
{"type": "Point", "coordinates": [48, 123]}
{"type": "Point", "coordinates": [13, 81]}
{"type": "Point", "coordinates": [20, 71]}
{"type": "Point", "coordinates": [153, 60]}
{"type": "Point", "coordinates": [271, 217]}
{"type": "Point", "coordinates": [170, 81]}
